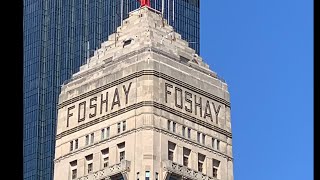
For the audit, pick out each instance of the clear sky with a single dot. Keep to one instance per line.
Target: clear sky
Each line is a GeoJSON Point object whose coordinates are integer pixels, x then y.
{"type": "Point", "coordinates": [264, 50]}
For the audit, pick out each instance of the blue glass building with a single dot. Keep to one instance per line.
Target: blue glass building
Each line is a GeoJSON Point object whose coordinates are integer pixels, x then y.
{"type": "Point", "coordinates": [56, 34]}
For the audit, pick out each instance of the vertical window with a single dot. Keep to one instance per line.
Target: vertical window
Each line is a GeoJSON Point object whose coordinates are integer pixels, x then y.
{"type": "Point", "coordinates": [203, 139]}
{"type": "Point", "coordinates": [122, 155]}
{"type": "Point", "coordinates": [201, 159]}
{"type": "Point", "coordinates": [121, 150]}
{"type": "Point", "coordinates": [174, 127]}
{"type": "Point", "coordinates": [71, 146]}
{"type": "Point", "coordinates": [73, 168]}
{"type": "Point", "coordinates": [124, 126]}
{"type": "Point", "coordinates": [92, 138]}
{"type": "Point", "coordinates": [215, 168]}
{"type": "Point", "coordinates": [76, 144]}
{"type": "Point", "coordinates": [119, 127]}
{"type": "Point", "coordinates": [171, 148]}
{"type": "Point", "coordinates": [89, 168]}
{"type": "Point", "coordinates": [147, 175]}
{"type": "Point", "coordinates": [74, 173]}
{"type": "Point", "coordinates": [87, 139]}
{"type": "Point", "coordinates": [168, 125]}
{"type": "Point", "coordinates": [102, 134]}
{"type": "Point", "coordinates": [108, 132]}
{"type": "Point", "coordinates": [198, 137]}
{"type": "Point", "coordinates": [157, 176]}
{"type": "Point", "coordinates": [183, 131]}
{"type": "Point", "coordinates": [137, 175]}
{"type": "Point", "coordinates": [89, 161]}
{"type": "Point", "coordinates": [189, 133]}
{"type": "Point", "coordinates": [186, 154]}
{"type": "Point", "coordinates": [105, 157]}
{"type": "Point", "coordinates": [215, 144]}
{"type": "Point", "coordinates": [106, 162]}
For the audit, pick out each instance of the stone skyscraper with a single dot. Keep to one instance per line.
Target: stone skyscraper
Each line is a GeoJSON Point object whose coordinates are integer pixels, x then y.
{"type": "Point", "coordinates": [145, 106]}
{"type": "Point", "coordinates": [58, 35]}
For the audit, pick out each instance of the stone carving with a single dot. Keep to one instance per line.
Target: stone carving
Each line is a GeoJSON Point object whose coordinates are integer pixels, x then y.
{"type": "Point", "coordinates": [185, 172]}
{"type": "Point", "coordinates": [106, 173]}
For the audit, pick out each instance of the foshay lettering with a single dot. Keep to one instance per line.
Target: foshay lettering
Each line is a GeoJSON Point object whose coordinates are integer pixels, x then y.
{"type": "Point", "coordinates": [98, 104]}
{"type": "Point", "coordinates": [192, 103]}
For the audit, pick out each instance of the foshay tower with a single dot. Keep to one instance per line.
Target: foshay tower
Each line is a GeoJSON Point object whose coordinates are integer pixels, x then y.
{"type": "Point", "coordinates": [145, 106]}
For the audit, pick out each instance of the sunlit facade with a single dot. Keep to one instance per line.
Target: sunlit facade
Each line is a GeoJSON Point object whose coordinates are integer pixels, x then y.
{"type": "Point", "coordinates": [57, 36]}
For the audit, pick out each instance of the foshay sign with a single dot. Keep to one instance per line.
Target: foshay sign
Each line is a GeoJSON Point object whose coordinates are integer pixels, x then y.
{"type": "Point", "coordinates": [99, 104]}
{"type": "Point", "coordinates": [115, 98]}
{"type": "Point", "coordinates": [192, 103]}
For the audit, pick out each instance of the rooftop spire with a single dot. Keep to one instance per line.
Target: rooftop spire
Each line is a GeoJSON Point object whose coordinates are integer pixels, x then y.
{"type": "Point", "coordinates": [144, 3]}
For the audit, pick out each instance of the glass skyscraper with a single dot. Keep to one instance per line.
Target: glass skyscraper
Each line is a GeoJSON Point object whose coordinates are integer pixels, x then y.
{"type": "Point", "coordinates": [56, 38]}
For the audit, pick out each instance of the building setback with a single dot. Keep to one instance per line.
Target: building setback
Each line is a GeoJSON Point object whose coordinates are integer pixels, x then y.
{"type": "Point", "coordinates": [145, 106]}
{"type": "Point", "coordinates": [57, 36]}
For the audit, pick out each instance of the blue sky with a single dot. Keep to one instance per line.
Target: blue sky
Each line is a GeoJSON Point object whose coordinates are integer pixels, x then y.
{"type": "Point", "coordinates": [264, 50]}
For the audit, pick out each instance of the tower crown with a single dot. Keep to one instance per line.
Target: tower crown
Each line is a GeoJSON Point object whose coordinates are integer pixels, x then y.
{"type": "Point", "coordinates": [146, 28]}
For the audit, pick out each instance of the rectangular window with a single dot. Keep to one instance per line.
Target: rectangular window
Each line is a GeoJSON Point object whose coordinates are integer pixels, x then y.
{"type": "Point", "coordinates": [108, 132]}
{"type": "Point", "coordinates": [168, 125]}
{"type": "Point", "coordinates": [215, 168]}
{"type": "Point", "coordinates": [90, 168]}
{"type": "Point", "coordinates": [105, 157]}
{"type": "Point", "coordinates": [92, 138]}
{"type": "Point", "coordinates": [119, 127]}
{"type": "Point", "coordinates": [200, 166]}
{"type": "Point", "coordinates": [74, 173]}
{"type": "Point", "coordinates": [76, 144]}
{"type": "Point", "coordinates": [73, 166]}
{"type": "Point", "coordinates": [186, 154]}
{"type": "Point", "coordinates": [183, 131]}
{"type": "Point", "coordinates": [215, 144]}
{"type": "Point", "coordinates": [171, 148]}
{"type": "Point", "coordinates": [89, 159]}
{"type": "Point", "coordinates": [122, 155]}
{"type": "Point", "coordinates": [87, 139]}
{"type": "Point", "coordinates": [185, 161]}
{"type": "Point", "coordinates": [215, 172]}
{"type": "Point", "coordinates": [201, 159]}
{"type": "Point", "coordinates": [203, 139]}
{"type": "Point", "coordinates": [106, 162]}
{"type": "Point", "coordinates": [157, 176]}
{"type": "Point", "coordinates": [189, 133]}
{"type": "Point", "coordinates": [124, 126]}
{"type": "Point", "coordinates": [137, 175]}
{"type": "Point", "coordinates": [121, 150]}
{"type": "Point", "coordinates": [174, 127]}
{"type": "Point", "coordinates": [102, 134]}
{"type": "Point", "coordinates": [170, 155]}
{"type": "Point", "coordinates": [147, 175]}
{"type": "Point", "coordinates": [71, 146]}
{"type": "Point", "coordinates": [198, 137]}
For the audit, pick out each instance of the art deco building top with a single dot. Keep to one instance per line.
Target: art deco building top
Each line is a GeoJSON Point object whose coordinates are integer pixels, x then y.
{"type": "Point", "coordinates": [144, 30]}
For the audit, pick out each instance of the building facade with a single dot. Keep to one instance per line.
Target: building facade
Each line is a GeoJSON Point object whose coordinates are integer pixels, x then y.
{"type": "Point", "coordinates": [145, 106]}
{"type": "Point", "coordinates": [56, 36]}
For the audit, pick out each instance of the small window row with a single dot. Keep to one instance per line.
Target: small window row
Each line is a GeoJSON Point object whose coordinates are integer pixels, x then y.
{"type": "Point", "coordinates": [201, 137]}
{"type": "Point", "coordinates": [105, 134]}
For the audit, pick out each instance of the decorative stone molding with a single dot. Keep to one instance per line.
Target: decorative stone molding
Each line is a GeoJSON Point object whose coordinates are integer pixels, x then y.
{"type": "Point", "coordinates": [156, 129]}
{"type": "Point", "coordinates": [104, 174]}
{"type": "Point", "coordinates": [145, 104]}
{"type": "Point", "coordinates": [139, 74]}
{"type": "Point", "coordinates": [185, 172]}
